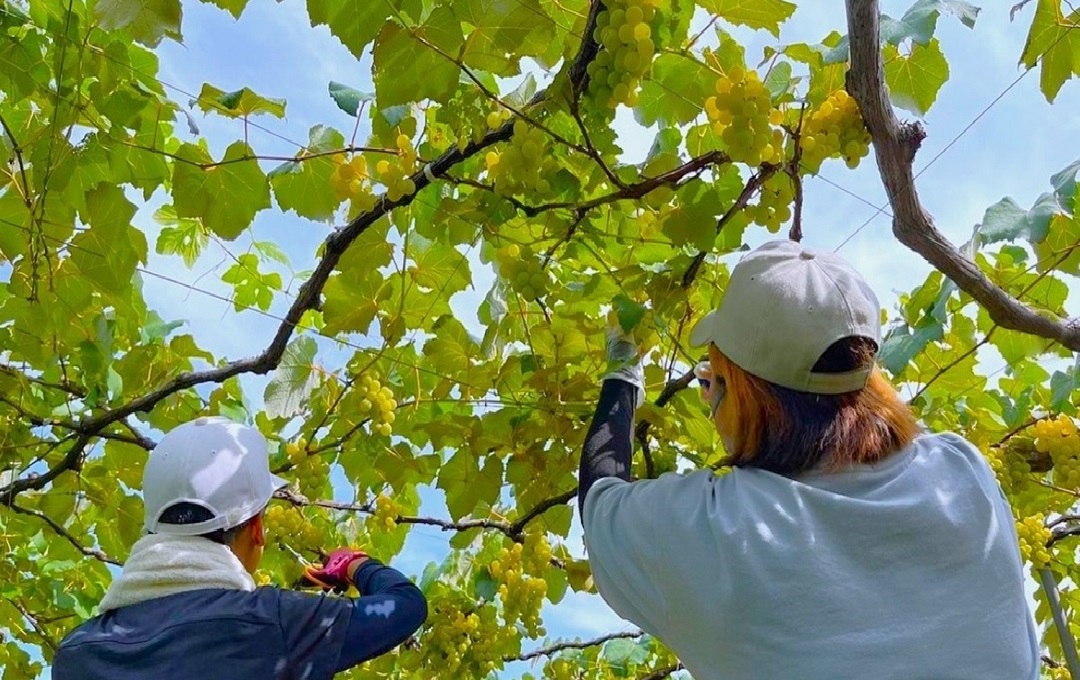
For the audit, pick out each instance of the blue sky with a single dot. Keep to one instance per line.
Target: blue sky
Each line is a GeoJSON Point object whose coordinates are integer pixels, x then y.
{"type": "Point", "coordinates": [272, 49]}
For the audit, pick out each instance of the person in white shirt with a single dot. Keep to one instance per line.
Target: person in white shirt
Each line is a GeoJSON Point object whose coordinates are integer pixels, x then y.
{"type": "Point", "coordinates": [844, 542]}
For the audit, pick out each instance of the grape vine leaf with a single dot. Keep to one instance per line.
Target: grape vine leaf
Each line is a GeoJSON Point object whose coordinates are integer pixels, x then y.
{"type": "Point", "coordinates": [760, 14]}
{"type": "Point", "coordinates": [184, 236]}
{"type": "Point", "coordinates": [1065, 184]}
{"type": "Point", "coordinates": [503, 32]}
{"type": "Point", "coordinates": [237, 104]}
{"type": "Point", "coordinates": [351, 300]}
{"type": "Point", "coordinates": [466, 483]}
{"type": "Point", "coordinates": [251, 287]}
{"type": "Point", "coordinates": [630, 313]}
{"type": "Point", "coordinates": [1007, 221]}
{"type": "Point", "coordinates": [233, 7]}
{"type": "Point", "coordinates": [416, 63]}
{"type": "Point", "coordinates": [1053, 42]}
{"type": "Point", "coordinates": [302, 185]}
{"type": "Point", "coordinates": [355, 24]}
{"type": "Point", "coordinates": [348, 98]}
{"type": "Point", "coordinates": [108, 253]}
{"type": "Point", "coordinates": [674, 73]}
{"type": "Point", "coordinates": [226, 196]}
{"type": "Point", "coordinates": [915, 79]}
{"type": "Point", "coordinates": [148, 20]}
{"type": "Point", "coordinates": [1058, 250]}
{"type": "Point", "coordinates": [293, 380]}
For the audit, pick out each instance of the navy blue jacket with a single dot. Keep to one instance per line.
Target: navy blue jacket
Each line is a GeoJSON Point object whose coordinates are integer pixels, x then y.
{"type": "Point", "coordinates": [216, 634]}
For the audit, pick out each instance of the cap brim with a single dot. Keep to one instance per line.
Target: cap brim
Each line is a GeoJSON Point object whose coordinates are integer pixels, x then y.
{"type": "Point", "coordinates": [704, 331]}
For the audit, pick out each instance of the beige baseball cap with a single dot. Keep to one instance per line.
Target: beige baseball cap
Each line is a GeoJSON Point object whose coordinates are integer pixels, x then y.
{"type": "Point", "coordinates": [784, 306]}
{"type": "Point", "coordinates": [212, 462]}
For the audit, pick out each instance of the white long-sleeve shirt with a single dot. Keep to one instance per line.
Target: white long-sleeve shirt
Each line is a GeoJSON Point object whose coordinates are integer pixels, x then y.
{"type": "Point", "coordinates": [908, 569]}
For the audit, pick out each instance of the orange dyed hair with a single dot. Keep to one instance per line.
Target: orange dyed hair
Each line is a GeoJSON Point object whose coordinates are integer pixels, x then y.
{"type": "Point", "coordinates": [788, 432]}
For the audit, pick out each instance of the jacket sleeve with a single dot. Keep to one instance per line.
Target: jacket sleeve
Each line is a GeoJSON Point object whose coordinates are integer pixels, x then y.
{"type": "Point", "coordinates": [390, 609]}
{"type": "Point", "coordinates": [324, 635]}
{"type": "Point", "coordinates": [608, 444]}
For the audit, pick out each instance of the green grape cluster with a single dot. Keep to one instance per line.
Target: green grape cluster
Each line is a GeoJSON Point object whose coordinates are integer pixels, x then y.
{"type": "Point", "coordinates": [561, 669]}
{"type": "Point", "coordinates": [741, 114]}
{"type": "Point", "coordinates": [624, 32]}
{"type": "Point", "coordinates": [395, 176]}
{"type": "Point", "coordinates": [1060, 438]}
{"type": "Point", "coordinates": [774, 202]}
{"type": "Point", "coordinates": [1012, 470]}
{"type": "Point", "coordinates": [522, 588]}
{"type": "Point", "coordinates": [1057, 436]}
{"type": "Point", "coordinates": [288, 525]}
{"type": "Point", "coordinates": [523, 271]}
{"type": "Point", "coordinates": [350, 181]}
{"type": "Point", "coordinates": [310, 470]}
{"type": "Point", "coordinates": [460, 643]}
{"type": "Point", "coordinates": [1033, 535]}
{"type": "Point", "coordinates": [497, 117]}
{"type": "Point", "coordinates": [525, 163]}
{"type": "Point", "coordinates": [379, 403]}
{"type": "Point", "coordinates": [834, 129]}
{"type": "Point", "coordinates": [1060, 673]}
{"type": "Point", "coordinates": [387, 510]}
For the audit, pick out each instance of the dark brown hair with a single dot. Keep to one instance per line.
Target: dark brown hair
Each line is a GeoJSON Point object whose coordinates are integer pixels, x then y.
{"type": "Point", "coordinates": [189, 513]}
{"type": "Point", "coordinates": [789, 432]}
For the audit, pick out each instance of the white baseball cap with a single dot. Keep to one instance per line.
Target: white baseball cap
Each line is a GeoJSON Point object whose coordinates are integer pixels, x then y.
{"type": "Point", "coordinates": [783, 307]}
{"type": "Point", "coordinates": [214, 463]}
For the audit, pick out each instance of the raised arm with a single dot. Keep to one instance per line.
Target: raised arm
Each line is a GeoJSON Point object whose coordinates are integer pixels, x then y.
{"type": "Point", "coordinates": [389, 610]}
{"type": "Point", "coordinates": [609, 444]}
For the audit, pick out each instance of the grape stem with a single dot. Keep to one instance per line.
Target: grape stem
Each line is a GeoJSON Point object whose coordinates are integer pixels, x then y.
{"type": "Point", "coordinates": [574, 644]}
{"type": "Point", "coordinates": [590, 148]}
{"type": "Point", "coordinates": [513, 530]}
{"type": "Point", "coordinates": [792, 170]}
{"type": "Point", "coordinates": [18, 157]}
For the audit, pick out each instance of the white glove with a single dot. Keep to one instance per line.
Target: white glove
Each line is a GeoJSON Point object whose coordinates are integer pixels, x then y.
{"type": "Point", "coordinates": [623, 361]}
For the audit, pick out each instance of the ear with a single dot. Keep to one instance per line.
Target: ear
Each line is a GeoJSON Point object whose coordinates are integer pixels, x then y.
{"type": "Point", "coordinates": [258, 536]}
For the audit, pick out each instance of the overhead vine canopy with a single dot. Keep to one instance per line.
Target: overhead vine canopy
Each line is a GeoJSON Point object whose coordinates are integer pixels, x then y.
{"type": "Point", "coordinates": [487, 143]}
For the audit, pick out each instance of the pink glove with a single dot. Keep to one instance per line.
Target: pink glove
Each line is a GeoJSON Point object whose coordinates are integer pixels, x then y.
{"type": "Point", "coordinates": [334, 575]}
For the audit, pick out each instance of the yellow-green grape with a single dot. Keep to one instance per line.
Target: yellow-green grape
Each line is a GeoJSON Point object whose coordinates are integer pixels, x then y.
{"type": "Point", "coordinates": [1033, 535]}
{"type": "Point", "coordinates": [395, 176]}
{"type": "Point", "coordinates": [741, 113]}
{"type": "Point", "coordinates": [288, 526]}
{"type": "Point", "coordinates": [379, 404]}
{"type": "Point", "coordinates": [497, 117]}
{"type": "Point", "coordinates": [625, 35]}
{"type": "Point", "coordinates": [560, 669]}
{"type": "Point", "coordinates": [1060, 673]}
{"type": "Point", "coordinates": [459, 643]}
{"type": "Point", "coordinates": [351, 181]}
{"type": "Point", "coordinates": [310, 470]}
{"type": "Point", "coordinates": [523, 271]}
{"type": "Point", "coordinates": [387, 510]}
{"type": "Point", "coordinates": [519, 570]}
{"type": "Point", "coordinates": [1060, 438]}
{"type": "Point", "coordinates": [524, 165]}
{"type": "Point", "coordinates": [1012, 470]}
{"type": "Point", "coordinates": [774, 202]}
{"type": "Point", "coordinates": [832, 130]}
